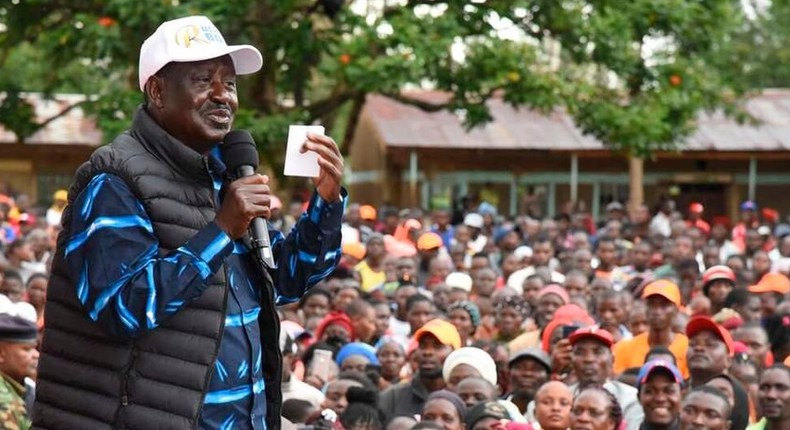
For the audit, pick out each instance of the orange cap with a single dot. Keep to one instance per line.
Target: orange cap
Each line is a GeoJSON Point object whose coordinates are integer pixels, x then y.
{"type": "Point", "coordinates": [664, 288]}
{"type": "Point", "coordinates": [429, 240]}
{"type": "Point", "coordinates": [696, 208]}
{"type": "Point", "coordinates": [772, 283]}
{"type": "Point", "coordinates": [354, 249]}
{"type": "Point", "coordinates": [367, 212]}
{"type": "Point", "coordinates": [442, 330]}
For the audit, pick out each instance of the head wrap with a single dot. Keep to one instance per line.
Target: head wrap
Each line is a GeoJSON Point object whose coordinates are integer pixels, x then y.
{"type": "Point", "coordinates": [451, 397]}
{"type": "Point", "coordinates": [336, 318]}
{"type": "Point", "coordinates": [357, 348]}
{"type": "Point", "coordinates": [470, 308]}
{"type": "Point", "coordinates": [475, 357]}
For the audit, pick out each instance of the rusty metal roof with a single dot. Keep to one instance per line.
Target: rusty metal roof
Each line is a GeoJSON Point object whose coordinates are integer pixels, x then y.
{"type": "Point", "coordinates": [73, 128]}
{"type": "Point", "coordinates": [403, 125]}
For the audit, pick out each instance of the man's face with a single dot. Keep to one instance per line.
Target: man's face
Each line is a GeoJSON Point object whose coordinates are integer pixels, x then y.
{"type": "Point", "coordinates": [19, 360]}
{"type": "Point", "coordinates": [198, 101]}
{"type": "Point", "coordinates": [485, 282]}
{"type": "Point", "coordinates": [365, 325]}
{"type": "Point", "coordinates": [474, 390]}
{"type": "Point", "coordinates": [352, 215]}
{"type": "Point", "coordinates": [344, 297]}
{"type": "Point", "coordinates": [541, 254]}
{"type": "Point", "coordinates": [441, 296]}
{"type": "Point", "coordinates": [607, 253]}
{"type": "Point", "coordinates": [527, 376]}
{"type": "Point", "coordinates": [774, 394]}
{"type": "Point", "coordinates": [683, 248]}
{"type": "Point", "coordinates": [402, 294]}
{"type": "Point", "coordinates": [660, 397]}
{"type": "Point", "coordinates": [12, 288]}
{"type": "Point", "coordinates": [592, 361]}
{"type": "Point", "coordinates": [660, 312]}
{"type": "Point", "coordinates": [704, 411]}
{"type": "Point", "coordinates": [753, 241]}
{"type": "Point", "coordinates": [640, 256]}
{"type": "Point", "coordinates": [419, 314]}
{"type": "Point", "coordinates": [761, 263]}
{"type": "Point", "coordinates": [751, 311]}
{"type": "Point", "coordinates": [611, 312]}
{"type": "Point", "coordinates": [547, 305]}
{"type": "Point", "coordinates": [707, 353]}
{"type": "Point", "coordinates": [317, 305]}
{"type": "Point", "coordinates": [756, 342]}
{"type": "Point", "coordinates": [383, 313]}
{"type": "Point", "coordinates": [576, 286]}
{"type": "Point", "coordinates": [406, 268]}
{"type": "Point", "coordinates": [374, 248]}
{"type": "Point", "coordinates": [431, 355]}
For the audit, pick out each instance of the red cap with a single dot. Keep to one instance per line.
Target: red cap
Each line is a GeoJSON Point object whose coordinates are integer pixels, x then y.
{"type": "Point", "coordinates": [696, 208]}
{"type": "Point", "coordinates": [594, 333]}
{"type": "Point", "coordinates": [702, 323]}
{"type": "Point", "coordinates": [772, 283]}
{"type": "Point", "coordinates": [718, 272]}
{"type": "Point", "coordinates": [770, 215]}
{"type": "Point", "coordinates": [334, 318]}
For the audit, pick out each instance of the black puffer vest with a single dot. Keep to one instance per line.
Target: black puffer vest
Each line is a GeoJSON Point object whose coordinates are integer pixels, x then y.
{"type": "Point", "coordinates": [89, 380]}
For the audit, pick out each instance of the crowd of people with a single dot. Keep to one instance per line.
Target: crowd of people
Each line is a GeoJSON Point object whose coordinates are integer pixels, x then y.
{"type": "Point", "coordinates": [660, 319]}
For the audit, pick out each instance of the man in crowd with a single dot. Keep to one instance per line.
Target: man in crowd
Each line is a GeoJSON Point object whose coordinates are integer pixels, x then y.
{"type": "Point", "coordinates": [18, 360]}
{"type": "Point", "coordinates": [435, 340]}
{"type": "Point", "coordinates": [660, 387]}
{"type": "Point", "coordinates": [663, 300]}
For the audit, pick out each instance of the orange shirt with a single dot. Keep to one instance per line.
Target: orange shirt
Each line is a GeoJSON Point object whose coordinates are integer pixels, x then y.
{"type": "Point", "coordinates": [630, 353]}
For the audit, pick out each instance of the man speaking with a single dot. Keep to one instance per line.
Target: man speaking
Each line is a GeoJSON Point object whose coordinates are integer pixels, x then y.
{"type": "Point", "coordinates": [159, 316]}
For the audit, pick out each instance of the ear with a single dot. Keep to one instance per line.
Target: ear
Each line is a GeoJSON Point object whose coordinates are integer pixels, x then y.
{"type": "Point", "coordinates": [2, 354]}
{"type": "Point", "coordinates": [154, 91]}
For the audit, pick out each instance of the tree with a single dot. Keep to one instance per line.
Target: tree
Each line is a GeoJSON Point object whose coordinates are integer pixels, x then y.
{"type": "Point", "coordinates": [322, 57]}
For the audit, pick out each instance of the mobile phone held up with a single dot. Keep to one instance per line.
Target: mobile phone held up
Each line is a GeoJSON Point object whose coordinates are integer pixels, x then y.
{"type": "Point", "coordinates": [568, 330]}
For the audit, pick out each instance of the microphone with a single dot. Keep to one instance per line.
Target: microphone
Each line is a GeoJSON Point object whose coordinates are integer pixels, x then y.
{"type": "Point", "coordinates": [241, 158]}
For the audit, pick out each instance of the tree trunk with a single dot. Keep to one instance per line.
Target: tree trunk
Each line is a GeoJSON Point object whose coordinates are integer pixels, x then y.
{"type": "Point", "coordinates": [636, 190]}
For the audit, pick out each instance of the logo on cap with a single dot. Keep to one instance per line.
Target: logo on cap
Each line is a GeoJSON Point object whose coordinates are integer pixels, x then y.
{"type": "Point", "coordinates": [194, 33]}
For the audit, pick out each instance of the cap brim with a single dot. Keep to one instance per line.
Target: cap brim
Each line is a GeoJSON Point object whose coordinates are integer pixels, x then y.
{"type": "Point", "coordinates": [704, 324]}
{"type": "Point", "coordinates": [246, 58]}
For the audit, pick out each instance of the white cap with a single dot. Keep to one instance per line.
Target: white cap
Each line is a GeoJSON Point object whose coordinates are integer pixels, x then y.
{"type": "Point", "coordinates": [474, 220]}
{"type": "Point", "coordinates": [192, 38]}
{"type": "Point", "coordinates": [459, 280]}
{"type": "Point", "coordinates": [523, 252]}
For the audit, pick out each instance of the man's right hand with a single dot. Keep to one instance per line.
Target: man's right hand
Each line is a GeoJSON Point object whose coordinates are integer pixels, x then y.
{"type": "Point", "coordinates": [245, 199]}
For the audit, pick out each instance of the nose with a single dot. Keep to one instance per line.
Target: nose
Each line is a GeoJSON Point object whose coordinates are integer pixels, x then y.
{"type": "Point", "coordinates": [219, 92]}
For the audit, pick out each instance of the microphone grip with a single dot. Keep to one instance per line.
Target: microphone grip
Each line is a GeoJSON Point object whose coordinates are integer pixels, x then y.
{"type": "Point", "coordinates": [259, 231]}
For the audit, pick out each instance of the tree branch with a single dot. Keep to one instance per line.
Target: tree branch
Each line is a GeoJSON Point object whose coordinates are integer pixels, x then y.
{"type": "Point", "coordinates": [61, 113]}
{"type": "Point", "coordinates": [332, 102]}
{"type": "Point", "coordinates": [422, 104]}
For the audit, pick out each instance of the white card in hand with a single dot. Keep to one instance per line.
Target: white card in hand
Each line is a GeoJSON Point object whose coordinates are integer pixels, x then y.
{"type": "Point", "coordinates": [297, 163]}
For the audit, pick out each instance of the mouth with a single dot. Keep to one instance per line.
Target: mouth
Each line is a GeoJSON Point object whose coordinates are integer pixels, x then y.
{"type": "Point", "coordinates": [219, 116]}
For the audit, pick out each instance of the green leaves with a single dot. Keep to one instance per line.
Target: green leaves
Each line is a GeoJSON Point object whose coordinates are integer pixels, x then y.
{"type": "Point", "coordinates": [634, 73]}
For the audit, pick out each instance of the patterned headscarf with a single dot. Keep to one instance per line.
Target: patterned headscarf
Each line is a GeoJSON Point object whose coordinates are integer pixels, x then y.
{"type": "Point", "coordinates": [470, 308]}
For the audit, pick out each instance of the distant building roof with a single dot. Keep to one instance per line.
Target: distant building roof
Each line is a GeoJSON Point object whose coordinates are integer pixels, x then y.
{"type": "Point", "coordinates": [403, 125]}
{"type": "Point", "coordinates": [73, 128]}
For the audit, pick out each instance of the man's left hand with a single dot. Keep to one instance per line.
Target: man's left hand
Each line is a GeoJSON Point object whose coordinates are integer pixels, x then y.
{"type": "Point", "coordinates": [331, 162]}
